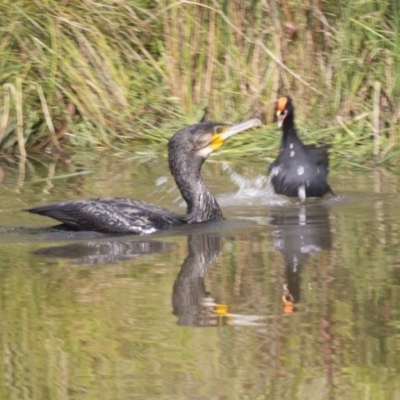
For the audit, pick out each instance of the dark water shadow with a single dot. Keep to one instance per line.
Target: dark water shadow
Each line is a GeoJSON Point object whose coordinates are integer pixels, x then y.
{"type": "Point", "coordinates": [302, 231]}
{"type": "Point", "coordinates": [103, 252]}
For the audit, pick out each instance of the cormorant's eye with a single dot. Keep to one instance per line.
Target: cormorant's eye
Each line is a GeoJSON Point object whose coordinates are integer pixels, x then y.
{"type": "Point", "coordinates": [218, 130]}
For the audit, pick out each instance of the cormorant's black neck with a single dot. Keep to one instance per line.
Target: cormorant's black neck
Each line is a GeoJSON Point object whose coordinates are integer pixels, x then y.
{"type": "Point", "coordinates": [201, 204]}
{"type": "Point", "coordinates": [289, 131]}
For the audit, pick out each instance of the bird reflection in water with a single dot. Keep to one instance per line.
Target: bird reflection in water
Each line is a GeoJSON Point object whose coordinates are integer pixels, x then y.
{"type": "Point", "coordinates": [302, 231]}
{"type": "Point", "coordinates": [191, 302]}
{"type": "Point", "coordinates": [109, 252]}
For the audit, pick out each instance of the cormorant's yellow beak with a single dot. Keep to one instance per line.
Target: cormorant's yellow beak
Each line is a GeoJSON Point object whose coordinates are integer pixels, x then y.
{"type": "Point", "coordinates": [226, 131]}
{"type": "Point", "coordinates": [223, 132]}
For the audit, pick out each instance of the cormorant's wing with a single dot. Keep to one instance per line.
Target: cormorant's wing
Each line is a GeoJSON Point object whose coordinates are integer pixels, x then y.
{"type": "Point", "coordinates": [110, 215]}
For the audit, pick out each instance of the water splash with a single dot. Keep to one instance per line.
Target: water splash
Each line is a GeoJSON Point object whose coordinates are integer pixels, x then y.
{"type": "Point", "coordinates": [256, 191]}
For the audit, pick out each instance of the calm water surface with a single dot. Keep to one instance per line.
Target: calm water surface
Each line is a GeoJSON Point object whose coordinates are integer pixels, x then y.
{"type": "Point", "coordinates": [280, 301]}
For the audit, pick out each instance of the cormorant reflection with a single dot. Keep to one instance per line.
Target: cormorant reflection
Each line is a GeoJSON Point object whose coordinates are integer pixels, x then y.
{"type": "Point", "coordinates": [302, 230]}
{"type": "Point", "coordinates": [191, 303]}
{"type": "Point", "coordinates": [103, 252]}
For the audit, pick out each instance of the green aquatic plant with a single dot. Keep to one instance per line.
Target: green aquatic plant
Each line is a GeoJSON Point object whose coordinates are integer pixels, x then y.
{"type": "Point", "coordinates": [102, 75]}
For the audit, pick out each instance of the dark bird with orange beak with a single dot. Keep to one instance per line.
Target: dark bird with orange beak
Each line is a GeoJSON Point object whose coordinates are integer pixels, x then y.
{"type": "Point", "coordinates": [300, 170]}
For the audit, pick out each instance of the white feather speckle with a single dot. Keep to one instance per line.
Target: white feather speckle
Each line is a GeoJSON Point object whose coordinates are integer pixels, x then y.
{"type": "Point", "coordinates": [292, 153]}
{"type": "Point", "coordinates": [302, 193]}
{"type": "Point", "coordinates": [275, 171]}
{"type": "Point", "coordinates": [291, 146]}
{"type": "Point", "coordinates": [147, 231]}
{"type": "Point", "coordinates": [300, 170]}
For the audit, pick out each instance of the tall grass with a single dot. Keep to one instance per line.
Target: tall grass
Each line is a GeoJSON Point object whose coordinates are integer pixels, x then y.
{"type": "Point", "coordinates": [103, 73]}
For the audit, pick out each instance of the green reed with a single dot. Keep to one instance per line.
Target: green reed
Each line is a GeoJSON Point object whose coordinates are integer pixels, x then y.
{"type": "Point", "coordinates": [109, 74]}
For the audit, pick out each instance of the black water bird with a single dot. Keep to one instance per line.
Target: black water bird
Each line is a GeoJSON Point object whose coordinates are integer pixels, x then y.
{"type": "Point", "coordinates": [300, 170]}
{"type": "Point", "coordinates": [187, 150]}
